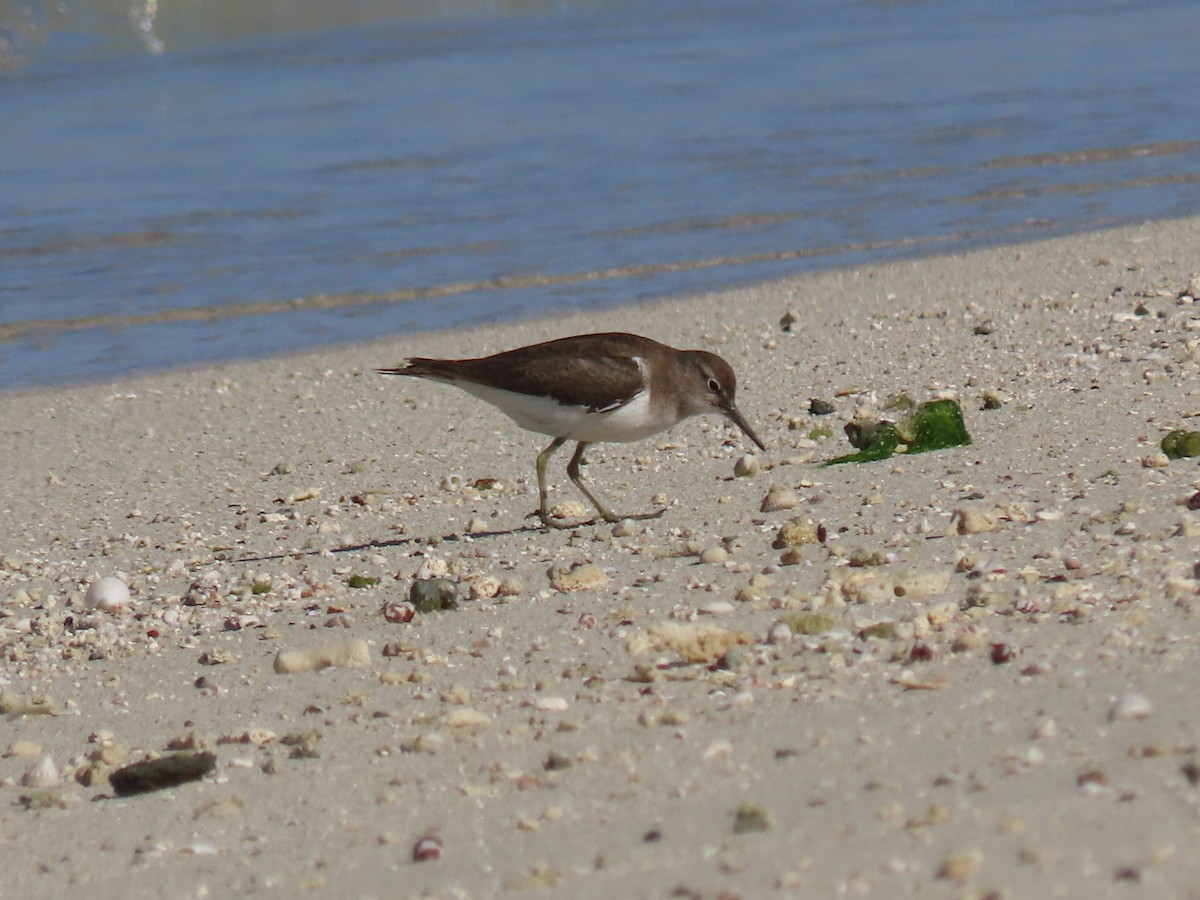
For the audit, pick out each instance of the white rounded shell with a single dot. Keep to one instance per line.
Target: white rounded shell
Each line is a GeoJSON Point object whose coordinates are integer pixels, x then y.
{"type": "Point", "coordinates": [107, 593]}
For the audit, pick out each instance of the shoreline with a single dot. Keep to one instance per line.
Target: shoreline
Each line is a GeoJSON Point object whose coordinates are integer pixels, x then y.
{"type": "Point", "coordinates": [920, 248]}
{"type": "Point", "coordinates": [1003, 706]}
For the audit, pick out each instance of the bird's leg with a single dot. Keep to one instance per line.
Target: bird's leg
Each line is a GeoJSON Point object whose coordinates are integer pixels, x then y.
{"type": "Point", "coordinates": [542, 460]}
{"type": "Point", "coordinates": [605, 512]}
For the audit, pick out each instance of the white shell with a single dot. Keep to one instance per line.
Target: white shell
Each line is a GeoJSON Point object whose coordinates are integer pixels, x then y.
{"type": "Point", "coordinates": [1130, 706]}
{"type": "Point", "coordinates": [43, 773]}
{"type": "Point", "coordinates": [108, 593]}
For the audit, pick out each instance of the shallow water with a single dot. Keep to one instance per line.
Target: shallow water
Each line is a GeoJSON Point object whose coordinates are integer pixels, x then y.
{"type": "Point", "coordinates": [178, 190]}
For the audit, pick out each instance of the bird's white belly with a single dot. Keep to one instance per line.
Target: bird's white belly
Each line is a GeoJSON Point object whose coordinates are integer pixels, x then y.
{"type": "Point", "coordinates": [630, 422]}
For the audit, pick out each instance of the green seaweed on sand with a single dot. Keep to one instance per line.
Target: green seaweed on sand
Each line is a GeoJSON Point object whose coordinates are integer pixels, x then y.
{"type": "Point", "coordinates": [1180, 444]}
{"type": "Point", "coordinates": [428, 595]}
{"type": "Point", "coordinates": [936, 425]}
{"type": "Point", "coordinates": [808, 622]}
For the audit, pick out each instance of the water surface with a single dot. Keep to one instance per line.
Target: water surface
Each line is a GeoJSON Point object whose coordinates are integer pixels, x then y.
{"type": "Point", "coordinates": [209, 181]}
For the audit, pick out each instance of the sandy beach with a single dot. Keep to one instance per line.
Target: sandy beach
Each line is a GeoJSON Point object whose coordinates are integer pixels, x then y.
{"type": "Point", "coordinates": [982, 683]}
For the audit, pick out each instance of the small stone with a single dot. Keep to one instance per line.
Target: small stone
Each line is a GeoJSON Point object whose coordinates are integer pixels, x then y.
{"type": "Point", "coordinates": [42, 774]}
{"type": "Point", "coordinates": [108, 594]}
{"type": "Point", "coordinates": [625, 528]}
{"type": "Point", "coordinates": [779, 633]}
{"type": "Point", "coordinates": [819, 407]}
{"type": "Point", "coordinates": [750, 818]}
{"type": "Point", "coordinates": [716, 608]}
{"type": "Point", "coordinates": [23, 748]}
{"type": "Point", "coordinates": [215, 657]}
{"type": "Point", "coordinates": [511, 587]}
{"type": "Point", "coordinates": [960, 867]}
{"type": "Point", "coordinates": [432, 567]}
{"type": "Point", "coordinates": [795, 533]}
{"type": "Point", "coordinates": [399, 611]}
{"type": "Point", "coordinates": [714, 555]}
{"type": "Point", "coordinates": [747, 466]}
{"type": "Point", "coordinates": [577, 577]}
{"type": "Point", "coordinates": [484, 588]}
{"type": "Point", "coordinates": [551, 704]}
{"type": "Point", "coordinates": [1045, 730]}
{"type": "Point", "coordinates": [433, 594]}
{"type": "Point", "coordinates": [972, 520]}
{"type": "Point", "coordinates": [1130, 706]}
{"type": "Point", "coordinates": [427, 848]}
{"type": "Point", "coordinates": [466, 718]}
{"type": "Point", "coordinates": [225, 808]}
{"type": "Point", "coordinates": [779, 498]}
{"type": "Point", "coordinates": [349, 654]}
{"type": "Point", "coordinates": [165, 772]}
{"type": "Point", "coordinates": [570, 509]}
{"type": "Point", "coordinates": [792, 556]}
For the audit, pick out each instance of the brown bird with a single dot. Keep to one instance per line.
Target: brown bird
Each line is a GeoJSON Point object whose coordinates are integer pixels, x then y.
{"type": "Point", "coordinates": [592, 388]}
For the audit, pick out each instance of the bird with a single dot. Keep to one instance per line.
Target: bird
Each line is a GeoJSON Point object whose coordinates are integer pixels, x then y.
{"type": "Point", "coordinates": [592, 388]}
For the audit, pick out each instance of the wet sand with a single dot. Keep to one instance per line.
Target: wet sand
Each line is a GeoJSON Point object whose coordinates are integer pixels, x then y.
{"type": "Point", "coordinates": [985, 686]}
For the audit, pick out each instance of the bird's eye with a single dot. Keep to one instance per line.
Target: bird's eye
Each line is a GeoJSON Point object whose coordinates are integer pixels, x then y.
{"type": "Point", "coordinates": [714, 386]}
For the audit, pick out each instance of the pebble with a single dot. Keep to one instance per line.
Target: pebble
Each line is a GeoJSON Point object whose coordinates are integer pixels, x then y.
{"type": "Point", "coordinates": [399, 611]}
{"type": "Point", "coordinates": [625, 528]}
{"type": "Point", "coordinates": [747, 466]}
{"type": "Point", "coordinates": [779, 498]}
{"type": "Point", "coordinates": [42, 774]}
{"type": "Point", "coordinates": [511, 587]}
{"type": "Point", "coordinates": [716, 608]}
{"type": "Point", "coordinates": [165, 772]}
{"type": "Point", "coordinates": [714, 555]}
{"type": "Point", "coordinates": [1130, 706]}
{"type": "Point", "coordinates": [972, 520]}
{"type": "Point", "coordinates": [466, 718]}
{"type": "Point", "coordinates": [569, 509]}
{"type": "Point", "coordinates": [433, 594]}
{"type": "Point", "coordinates": [751, 818]}
{"type": "Point", "coordinates": [107, 593]}
{"type": "Point", "coordinates": [432, 567]}
{"type": "Point", "coordinates": [795, 533]}
{"type": "Point", "coordinates": [484, 588]}
{"type": "Point", "coordinates": [779, 633]}
{"type": "Point", "coordinates": [961, 867]}
{"type": "Point", "coordinates": [577, 577]}
{"type": "Point", "coordinates": [349, 654]}
{"type": "Point", "coordinates": [427, 849]}
{"type": "Point", "coordinates": [23, 748]}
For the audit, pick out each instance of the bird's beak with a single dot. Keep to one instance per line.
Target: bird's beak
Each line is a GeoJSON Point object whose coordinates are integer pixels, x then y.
{"type": "Point", "coordinates": [739, 420]}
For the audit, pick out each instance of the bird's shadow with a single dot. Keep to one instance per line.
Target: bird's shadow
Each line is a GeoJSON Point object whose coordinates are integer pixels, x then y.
{"type": "Point", "coordinates": [453, 537]}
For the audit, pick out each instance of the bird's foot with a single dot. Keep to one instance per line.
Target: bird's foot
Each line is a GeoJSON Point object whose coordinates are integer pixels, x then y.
{"type": "Point", "coordinates": [638, 517]}
{"type": "Point", "coordinates": [548, 519]}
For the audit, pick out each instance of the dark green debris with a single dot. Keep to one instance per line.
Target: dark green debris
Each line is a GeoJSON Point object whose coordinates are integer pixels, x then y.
{"type": "Point", "coordinates": [433, 595]}
{"type": "Point", "coordinates": [361, 581]}
{"type": "Point", "coordinates": [750, 818]}
{"type": "Point", "coordinates": [808, 622]}
{"type": "Point", "coordinates": [165, 772]}
{"type": "Point", "coordinates": [1180, 444]}
{"type": "Point", "coordinates": [935, 425]}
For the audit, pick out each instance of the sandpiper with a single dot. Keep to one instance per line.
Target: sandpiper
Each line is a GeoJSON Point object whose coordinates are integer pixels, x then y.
{"type": "Point", "coordinates": [591, 388]}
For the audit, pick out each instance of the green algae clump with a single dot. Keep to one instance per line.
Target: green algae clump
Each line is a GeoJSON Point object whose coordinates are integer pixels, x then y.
{"type": "Point", "coordinates": [1180, 444]}
{"type": "Point", "coordinates": [936, 425]}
